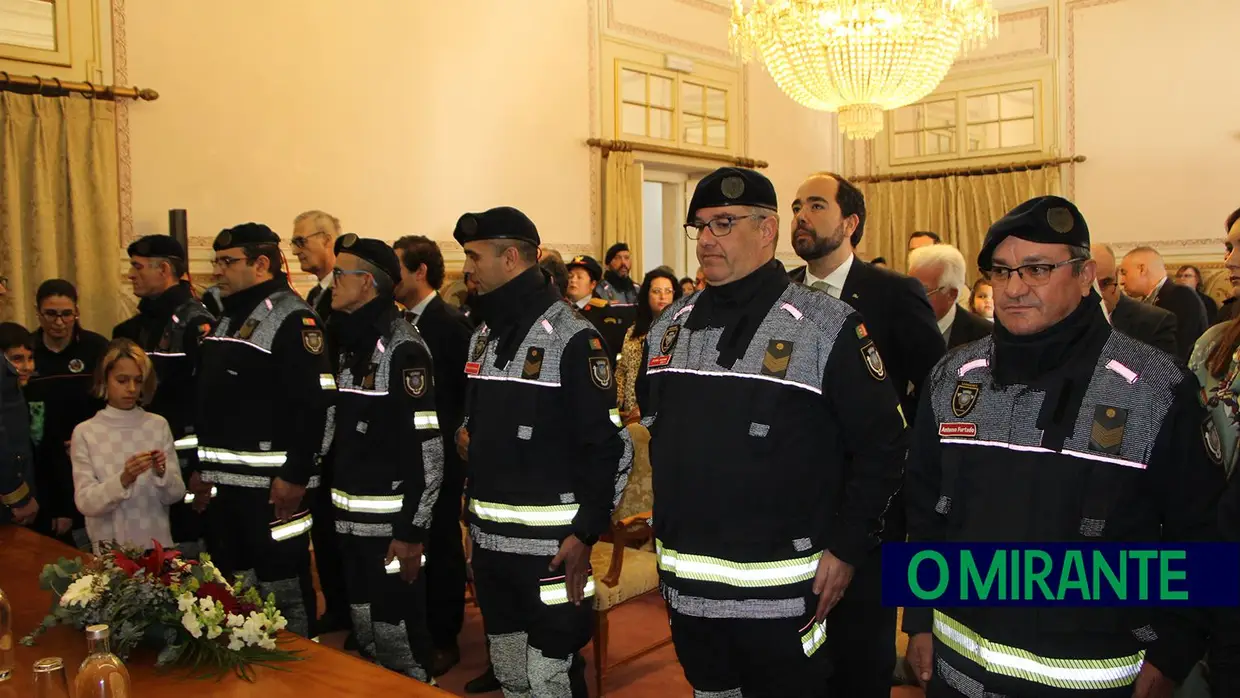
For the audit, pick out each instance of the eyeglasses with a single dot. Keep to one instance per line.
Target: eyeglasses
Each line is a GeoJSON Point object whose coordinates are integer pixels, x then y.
{"type": "Point", "coordinates": [300, 242]}
{"type": "Point", "coordinates": [932, 291]}
{"type": "Point", "coordinates": [719, 227]}
{"type": "Point", "coordinates": [1031, 274]}
{"type": "Point", "coordinates": [338, 272]}
{"type": "Point", "coordinates": [54, 315]}
{"type": "Point", "coordinates": [225, 262]}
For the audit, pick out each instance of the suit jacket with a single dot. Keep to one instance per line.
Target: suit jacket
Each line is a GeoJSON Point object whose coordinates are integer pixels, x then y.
{"type": "Point", "coordinates": [967, 327]}
{"type": "Point", "coordinates": [321, 301]}
{"type": "Point", "coordinates": [898, 316]}
{"type": "Point", "coordinates": [1211, 307]}
{"type": "Point", "coordinates": [1147, 323]}
{"type": "Point", "coordinates": [1190, 316]}
{"type": "Point", "coordinates": [447, 332]}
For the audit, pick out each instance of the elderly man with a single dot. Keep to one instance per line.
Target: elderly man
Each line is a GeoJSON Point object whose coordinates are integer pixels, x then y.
{"type": "Point", "coordinates": [764, 511]}
{"type": "Point", "coordinates": [1056, 429]}
{"type": "Point", "coordinates": [1148, 323]}
{"type": "Point", "coordinates": [1144, 276]}
{"type": "Point", "coordinates": [314, 237]}
{"type": "Point", "coordinates": [940, 269]}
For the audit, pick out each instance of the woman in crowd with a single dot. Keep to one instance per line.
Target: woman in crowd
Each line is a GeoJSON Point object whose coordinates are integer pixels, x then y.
{"type": "Point", "coordinates": [659, 290]}
{"type": "Point", "coordinates": [125, 471]}
{"type": "Point", "coordinates": [1190, 276]}
{"type": "Point", "coordinates": [687, 286]}
{"type": "Point", "coordinates": [982, 299]}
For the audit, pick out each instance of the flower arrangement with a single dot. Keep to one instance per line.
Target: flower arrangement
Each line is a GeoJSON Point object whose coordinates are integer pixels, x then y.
{"type": "Point", "coordinates": [186, 607]}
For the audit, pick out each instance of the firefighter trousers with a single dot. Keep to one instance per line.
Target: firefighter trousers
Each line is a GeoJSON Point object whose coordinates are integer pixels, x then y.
{"type": "Point", "coordinates": [955, 676]}
{"type": "Point", "coordinates": [245, 539]}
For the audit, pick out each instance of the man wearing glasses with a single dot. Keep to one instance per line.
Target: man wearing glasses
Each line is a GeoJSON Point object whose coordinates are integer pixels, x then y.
{"type": "Point", "coordinates": [314, 234]}
{"type": "Point", "coordinates": [1148, 323]}
{"type": "Point", "coordinates": [768, 500]}
{"type": "Point", "coordinates": [1056, 429]}
{"type": "Point", "coordinates": [65, 356]}
{"type": "Point", "coordinates": [264, 386]}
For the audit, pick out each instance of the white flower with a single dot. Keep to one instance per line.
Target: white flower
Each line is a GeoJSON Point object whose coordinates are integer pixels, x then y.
{"type": "Point", "coordinates": [207, 604]}
{"type": "Point", "coordinates": [81, 592]}
{"type": "Point", "coordinates": [267, 643]}
{"type": "Point", "coordinates": [190, 621]}
{"type": "Point", "coordinates": [235, 621]}
{"type": "Point", "coordinates": [185, 602]}
{"type": "Point", "coordinates": [235, 643]}
{"type": "Point", "coordinates": [213, 573]}
{"type": "Point", "coordinates": [214, 631]}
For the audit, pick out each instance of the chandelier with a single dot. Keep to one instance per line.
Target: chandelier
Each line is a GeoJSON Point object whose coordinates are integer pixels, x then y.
{"type": "Point", "coordinates": [859, 57]}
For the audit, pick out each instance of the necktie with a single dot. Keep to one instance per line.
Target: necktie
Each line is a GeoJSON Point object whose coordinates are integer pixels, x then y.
{"type": "Point", "coordinates": [411, 317]}
{"type": "Point", "coordinates": [824, 286]}
{"type": "Point", "coordinates": [314, 295]}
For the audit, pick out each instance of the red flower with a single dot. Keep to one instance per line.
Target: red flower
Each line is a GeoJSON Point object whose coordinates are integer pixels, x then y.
{"type": "Point", "coordinates": [126, 565]}
{"type": "Point", "coordinates": [220, 593]}
{"type": "Point", "coordinates": [155, 563]}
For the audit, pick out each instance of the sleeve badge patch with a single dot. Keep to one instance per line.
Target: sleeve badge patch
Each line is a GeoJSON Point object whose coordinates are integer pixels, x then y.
{"type": "Point", "coordinates": [312, 340]}
{"type": "Point", "coordinates": [308, 321]}
{"type": "Point", "coordinates": [415, 381]}
{"type": "Point", "coordinates": [669, 339]}
{"type": "Point", "coordinates": [1210, 437]}
{"type": "Point", "coordinates": [965, 398]}
{"type": "Point", "coordinates": [873, 361]}
{"type": "Point", "coordinates": [600, 372]}
{"type": "Point", "coordinates": [480, 347]}
{"type": "Point", "coordinates": [76, 366]}
{"type": "Point", "coordinates": [596, 344]}
{"type": "Point", "coordinates": [861, 331]}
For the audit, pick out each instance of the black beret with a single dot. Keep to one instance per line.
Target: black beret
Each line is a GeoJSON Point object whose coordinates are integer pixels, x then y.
{"type": "Point", "coordinates": [156, 246]}
{"type": "Point", "coordinates": [588, 263]}
{"type": "Point", "coordinates": [245, 234]}
{"type": "Point", "coordinates": [732, 186]}
{"type": "Point", "coordinates": [503, 223]}
{"type": "Point", "coordinates": [1046, 219]}
{"type": "Point", "coordinates": [377, 252]}
{"type": "Point", "coordinates": [615, 250]}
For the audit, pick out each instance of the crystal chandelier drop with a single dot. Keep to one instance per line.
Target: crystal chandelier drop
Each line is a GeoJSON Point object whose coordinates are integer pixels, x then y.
{"type": "Point", "coordinates": [859, 57]}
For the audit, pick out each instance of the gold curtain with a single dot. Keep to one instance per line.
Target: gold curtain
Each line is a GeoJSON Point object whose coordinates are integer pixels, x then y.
{"type": "Point", "coordinates": [58, 204]}
{"type": "Point", "coordinates": [622, 206]}
{"type": "Point", "coordinates": [959, 208]}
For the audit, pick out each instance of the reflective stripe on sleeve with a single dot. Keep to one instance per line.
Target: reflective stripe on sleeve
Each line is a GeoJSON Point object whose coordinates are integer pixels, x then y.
{"type": "Point", "coordinates": [739, 574]}
{"type": "Point", "coordinates": [367, 504]}
{"type": "Point", "coordinates": [615, 416]}
{"type": "Point", "coordinates": [185, 442]}
{"type": "Point", "coordinates": [425, 420]}
{"type": "Point", "coordinates": [814, 636]}
{"type": "Point", "coordinates": [553, 594]}
{"type": "Point", "coordinates": [555, 515]}
{"type": "Point", "coordinates": [189, 496]}
{"type": "Point", "coordinates": [292, 528]}
{"type": "Point", "coordinates": [260, 459]}
{"type": "Point", "coordinates": [327, 381]}
{"type": "Point", "coordinates": [1081, 674]}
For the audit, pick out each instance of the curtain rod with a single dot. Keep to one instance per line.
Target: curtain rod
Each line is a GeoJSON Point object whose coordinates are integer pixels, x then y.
{"type": "Point", "coordinates": [627, 146]}
{"type": "Point", "coordinates": [55, 87]}
{"type": "Point", "coordinates": [969, 171]}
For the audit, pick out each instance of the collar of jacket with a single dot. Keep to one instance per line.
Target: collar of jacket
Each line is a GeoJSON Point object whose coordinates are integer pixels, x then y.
{"type": "Point", "coordinates": [510, 309]}
{"type": "Point", "coordinates": [166, 303]}
{"type": "Point", "coordinates": [239, 305]}
{"type": "Point", "coordinates": [739, 308]}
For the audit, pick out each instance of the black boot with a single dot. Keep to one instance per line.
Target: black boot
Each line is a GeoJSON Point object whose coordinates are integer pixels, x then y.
{"type": "Point", "coordinates": [486, 683]}
{"type": "Point", "coordinates": [577, 677]}
{"type": "Point", "coordinates": [443, 660]}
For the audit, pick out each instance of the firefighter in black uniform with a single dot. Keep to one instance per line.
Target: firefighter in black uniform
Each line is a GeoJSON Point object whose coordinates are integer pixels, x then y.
{"type": "Point", "coordinates": [611, 320]}
{"type": "Point", "coordinates": [1057, 428]}
{"type": "Point", "coordinates": [169, 326]}
{"type": "Point", "coordinates": [264, 385]}
{"type": "Point", "coordinates": [765, 501]}
{"type": "Point", "coordinates": [547, 459]}
{"type": "Point", "coordinates": [385, 487]}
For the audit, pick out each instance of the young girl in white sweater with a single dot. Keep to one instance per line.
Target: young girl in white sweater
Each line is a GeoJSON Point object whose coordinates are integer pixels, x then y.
{"type": "Point", "coordinates": [125, 471]}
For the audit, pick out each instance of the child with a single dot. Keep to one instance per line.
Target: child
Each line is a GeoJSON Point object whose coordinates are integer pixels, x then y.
{"type": "Point", "coordinates": [18, 346]}
{"type": "Point", "coordinates": [125, 471]}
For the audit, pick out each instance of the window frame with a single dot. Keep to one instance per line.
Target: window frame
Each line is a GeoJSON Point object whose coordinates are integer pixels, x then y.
{"type": "Point", "coordinates": [62, 55]}
{"type": "Point", "coordinates": [961, 98]}
{"type": "Point", "coordinates": [730, 117]}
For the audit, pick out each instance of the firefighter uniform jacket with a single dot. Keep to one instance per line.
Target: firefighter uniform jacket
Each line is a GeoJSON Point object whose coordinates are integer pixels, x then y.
{"type": "Point", "coordinates": [547, 456]}
{"type": "Point", "coordinates": [775, 435]}
{"type": "Point", "coordinates": [384, 487]}
{"type": "Point", "coordinates": [1109, 444]}
{"type": "Point", "coordinates": [264, 386]}
{"type": "Point", "coordinates": [169, 329]}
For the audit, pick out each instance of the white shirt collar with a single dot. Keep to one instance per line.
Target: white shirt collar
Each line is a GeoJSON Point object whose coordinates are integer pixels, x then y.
{"type": "Point", "coordinates": [325, 282]}
{"type": "Point", "coordinates": [945, 322]}
{"type": "Point", "coordinates": [836, 278]}
{"type": "Point", "coordinates": [1157, 287]}
{"type": "Point", "coordinates": [420, 308]}
{"type": "Point", "coordinates": [581, 304]}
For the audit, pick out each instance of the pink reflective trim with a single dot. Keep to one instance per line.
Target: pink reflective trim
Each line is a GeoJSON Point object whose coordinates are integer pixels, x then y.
{"type": "Point", "coordinates": [238, 341]}
{"type": "Point", "coordinates": [791, 310]}
{"type": "Point", "coordinates": [1128, 374]}
{"type": "Point", "coordinates": [379, 346]}
{"type": "Point", "coordinates": [268, 302]}
{"type": "Point", "coordinates": [730, 374]}
{"type": "Point", "coordinates": [547, 326]}
{"type": "Point", "coordinates": [976, 363]}
{"type": "Point", "coordinates": [682, 311]}
{"type": "Point", "coordinates": [1039, 449]}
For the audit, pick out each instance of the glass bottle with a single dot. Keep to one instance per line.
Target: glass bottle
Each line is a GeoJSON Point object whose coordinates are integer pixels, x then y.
{"type": "Point", "coordinates": [50, 680]}
{"type": "Point", "coordinates": [102, 674]}
{"type": "Point", "coordinates": [8, 657]}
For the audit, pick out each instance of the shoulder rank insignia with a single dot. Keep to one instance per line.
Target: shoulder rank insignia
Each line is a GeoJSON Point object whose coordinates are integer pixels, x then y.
{"type": "Point", "coordinates": [778, 354]}
{"type": "Point", "coordinates": [248, 329]}
{"type": "Point", "coordinates": [873, 361]}
{"type": "Point", "coordinates": [480, 347]}
{"type": "Point", "coordinates": [965, 398]}
{"type": "Point", "coordinates": [596, 303]}
{"type": "Point", "coordinates": [669, 339]}
{"type": "Point", "coordinates": [600, 372]}
{"type": "Point", "coordinates": [533, 363]}
{"type": "Point", "coordinates": [1210, 437]}
{"type": "Point", "coordinates": [312, 340]}
{"type": "Point", "coordinates": [415, 381]}
{"type": "Point", "coordinates": [1107, 434]}
{"type": "Point", "coordinates": [76, 366]}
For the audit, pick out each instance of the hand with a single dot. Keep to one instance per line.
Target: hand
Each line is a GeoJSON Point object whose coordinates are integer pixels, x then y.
{"type": "Point", "coordinates": [410, 556]}
{"type": "Point", "coordinates": [575, 556]}
{"type": "Point", "coordinates": [920, 656]}
{"type": "Point", "coordinates": [24, 515]}
{"type": "Point", "coordinates": [830, 582]}
{"type": "Point", "coordinates": [160, 462]}
{"type": "Point", "coordinates": [629, 416]}
{"type": "Point", "coordinates": [61, 526]}
{"type": "Point", "coordinates": [1152, 684]}
{"type": "Point", "coordinates": [201, 490]}
{"type": "Point", "coordinates": [286, 497]}
{"type": "Point", "coordinates": [462, 443]}
{"type": "Point", "coordinates": [135, 465]}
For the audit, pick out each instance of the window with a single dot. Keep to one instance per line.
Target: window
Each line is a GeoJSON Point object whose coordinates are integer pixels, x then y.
{"type": "Point", "coordinates": [646, 107]}
{"type": "Point", "coordinates": [925, 129]}
{"type": "Point", "coordinates": [1000, 120]}
{"type": "Point", "coordinates": [966, 124]}
{"type": "Point", "coordinates": [670, 107]}
{"type": "Point", "coordinates": [704, 115]}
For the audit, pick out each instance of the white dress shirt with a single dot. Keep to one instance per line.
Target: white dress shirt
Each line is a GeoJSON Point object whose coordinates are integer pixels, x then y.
{"type": "Point", "coordinates": [581, 304]}
{"type": "Point", "coordinates": [420, 308]}
{"type": "Point", "coordinates": [945, 322]}
{"type": "Point", "coordinates": [835, 280]}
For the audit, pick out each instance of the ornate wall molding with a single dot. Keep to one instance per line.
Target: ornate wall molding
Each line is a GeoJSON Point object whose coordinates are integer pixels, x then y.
{"type": "Point", "coordinates": [595, 165]}
{"type": "Point", "coordinates": [1042, 14]}
{"type": "Point", "coordinates": [719, 8]}
{"type": "Point", "coordinates": [667, 39]}
{"type": "Point", "coordinates": [124, 162]}
{"type": "Point", "coordinates": [1070, 10]}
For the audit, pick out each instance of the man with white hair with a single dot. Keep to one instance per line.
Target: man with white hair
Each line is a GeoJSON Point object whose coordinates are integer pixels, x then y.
{"type": "Point", "coordinates": [940, 269]}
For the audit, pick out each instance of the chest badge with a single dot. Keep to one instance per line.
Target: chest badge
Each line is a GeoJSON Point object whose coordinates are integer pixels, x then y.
{"type": "Point", "coordinates": [1213, 444]}
{"type": "Point", "coordinates": [778, 354]}
{"type": "Point", "coordinates": [248, 329]}
{"type": "Point", "coordinates": [873, 361]}
{"type": "Point", "coordinates": [669, 339]}
{"type": "Point", "coordinates": [600, 372]}
{"type": "Point", "coordinates": [1107, 434]}
{"type": "Point", "coordinates": [312, 340]}
{"type": "Point", "coordinates": [480, 347]}
{"type": "Point", "coordinates": [965, 398]}
{"type": "Point", "coordinates": [76, 366]}
{"type": "Point", "coordinates": [415, 381]}
{"type": "Point", "coordinates": [533, 364]}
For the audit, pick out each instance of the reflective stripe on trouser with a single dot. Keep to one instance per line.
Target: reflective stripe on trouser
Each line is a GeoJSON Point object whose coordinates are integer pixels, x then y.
{"type": "Point", "coordinates": [553, 515]}
{"type": "Point", "coordinates": [614, 414]}
{"type": "Point", "coordinates": [296, 526]}
{"type": "Point", "coordinates": [189, 496]}
{"type": "Point", "coordinates": [327, 381]}
{"type": "Point", "coordinates": [367, 504]}
{"type": "Point", "coordinates": [425, 420]}
{"type": "Point", "coordinates": [190, 441]}
{"type": "Point", "coordinates": [388, 614]}
{"type": "Point", "coordinates": [995, 658]}
{"type": "Point", "coordinates": [254, 459]}
{"type": "Point", "coordinates": [740, 574]}
{"type": "Point", "coordinates": [553, 592]}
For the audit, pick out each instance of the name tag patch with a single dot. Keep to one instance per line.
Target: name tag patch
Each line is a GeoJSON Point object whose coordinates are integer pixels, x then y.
{"type": "Point", "coordinates": [657, 361]}
{"type": "Point", "coordinates": [958, 430]}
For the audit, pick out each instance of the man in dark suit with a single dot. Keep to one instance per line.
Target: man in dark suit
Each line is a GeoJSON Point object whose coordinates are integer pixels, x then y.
{"type": "Point", "coordinates": [941, 271]}
{"type": "Point", "coordinates": [447, 332]}
{"type": "Point", "coordinates": [828, 220]}
{"type": "Point", "coordinates": [1144, 276]}
{"type": "Point", "coordinates": [1147, 323]}
{"type": "Point", "coordinates": [314, 234]}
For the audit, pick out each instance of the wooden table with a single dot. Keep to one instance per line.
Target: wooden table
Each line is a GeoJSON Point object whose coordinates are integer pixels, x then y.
{"type": "Point", "coordinates": [322, 672]}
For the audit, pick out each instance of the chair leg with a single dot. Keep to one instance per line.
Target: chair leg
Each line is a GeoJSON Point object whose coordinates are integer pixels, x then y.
{"type": "Point", "coordinates": [600, 651]}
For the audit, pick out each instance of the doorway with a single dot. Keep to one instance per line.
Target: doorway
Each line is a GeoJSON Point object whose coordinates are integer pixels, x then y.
{"type": "Point", "coordinates": [665, 198]}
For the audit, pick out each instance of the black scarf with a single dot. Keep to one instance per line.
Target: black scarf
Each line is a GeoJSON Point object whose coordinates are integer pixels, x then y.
{"type": "Point", "coordinates": [356, 333]}
{"type": "Point", "coordinates": [739, 308]}
{"type": "Point", "coordinates": [156, 311]}
{"type": "Point", "coordinates": [509, 310]}
{"type": "Point", "coordinates": [624, 284]}
{"type": "Point", "coordinates": [239, 305]}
